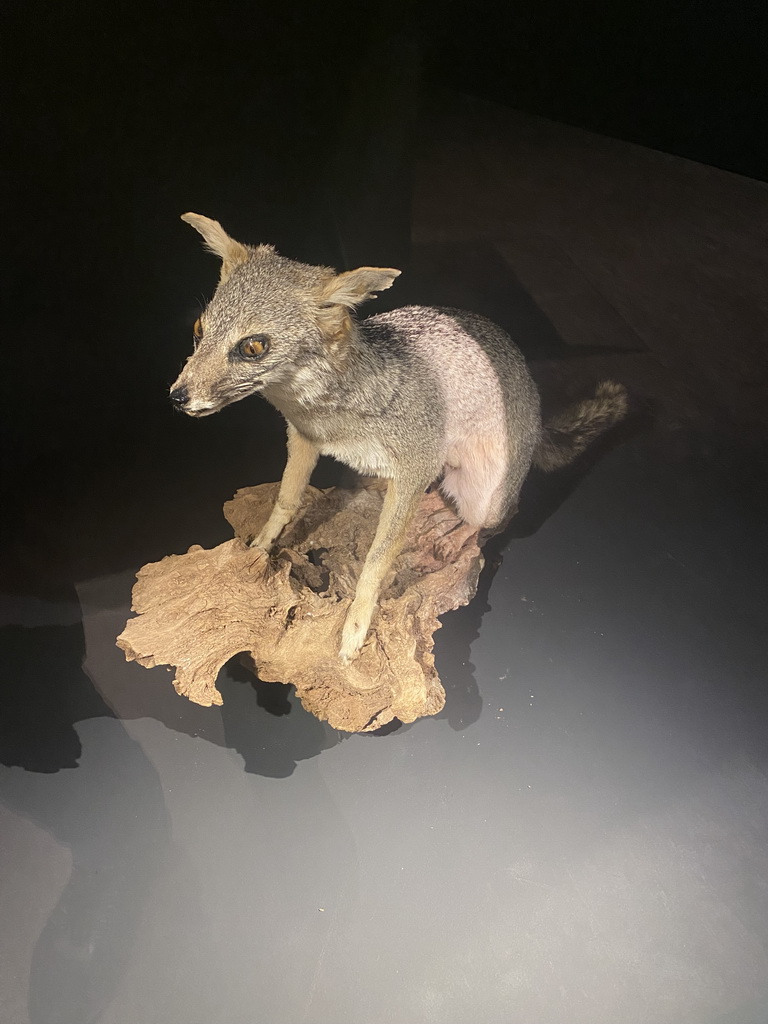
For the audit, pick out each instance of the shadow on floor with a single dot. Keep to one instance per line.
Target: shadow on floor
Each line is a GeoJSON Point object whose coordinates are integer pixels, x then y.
{"type": "Point", "coordinates": [102, 800]}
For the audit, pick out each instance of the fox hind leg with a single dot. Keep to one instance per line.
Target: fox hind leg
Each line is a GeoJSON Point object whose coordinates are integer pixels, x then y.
{"type": "Point", "coordinates": [484, 479]}
{"type": "Point", "coordinates": [475, 479]}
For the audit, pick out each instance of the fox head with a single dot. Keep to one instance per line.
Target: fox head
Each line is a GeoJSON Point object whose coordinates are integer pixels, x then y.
{"type": "Point", "coordinates": [273, 325]}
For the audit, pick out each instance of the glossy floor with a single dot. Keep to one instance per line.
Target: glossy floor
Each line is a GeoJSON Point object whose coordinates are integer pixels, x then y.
{"type": "Point", "coordinates": [580, 837]}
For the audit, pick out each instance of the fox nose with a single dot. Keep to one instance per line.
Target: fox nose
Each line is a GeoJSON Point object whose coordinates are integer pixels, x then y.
{"type": "Point", "coordinates": [179, 397]}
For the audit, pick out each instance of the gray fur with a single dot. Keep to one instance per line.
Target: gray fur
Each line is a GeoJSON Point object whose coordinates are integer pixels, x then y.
{"type": "Point", "coordinates": [413, 396]}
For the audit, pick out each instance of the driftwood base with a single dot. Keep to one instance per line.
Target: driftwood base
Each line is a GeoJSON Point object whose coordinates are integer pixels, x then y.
{"type": "Point", "coordinates": [198, 610]}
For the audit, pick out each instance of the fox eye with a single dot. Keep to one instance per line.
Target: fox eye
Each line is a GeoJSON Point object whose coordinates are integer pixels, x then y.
{"type": "Point", "coordinates": [197, 330]}
{"type": "Point", "coordinates": [253, 347]}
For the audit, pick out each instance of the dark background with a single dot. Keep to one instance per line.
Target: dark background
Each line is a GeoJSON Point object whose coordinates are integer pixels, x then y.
{"type": "Point", "coordinates": [295, 127]}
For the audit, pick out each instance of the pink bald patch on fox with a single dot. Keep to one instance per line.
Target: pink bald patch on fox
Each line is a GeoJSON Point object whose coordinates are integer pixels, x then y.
{"type": "Point", "coordinates": [476, 443]}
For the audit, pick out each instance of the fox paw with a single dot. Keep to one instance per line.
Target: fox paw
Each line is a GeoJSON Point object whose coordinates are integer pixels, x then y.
{"type": "Point", "coordinates": [353, 634]}
{"type": "Point", "coordinates": [263, 539]}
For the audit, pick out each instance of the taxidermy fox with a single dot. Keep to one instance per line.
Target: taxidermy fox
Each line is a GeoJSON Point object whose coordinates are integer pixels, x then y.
{"type": "Point", "coordinates": [412, 396]}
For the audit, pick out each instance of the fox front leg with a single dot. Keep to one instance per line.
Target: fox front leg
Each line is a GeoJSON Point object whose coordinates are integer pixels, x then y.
{"type": "Point", "coordinates": [302, 459]}
{"type": "Point", "coordinates": [400, 503]}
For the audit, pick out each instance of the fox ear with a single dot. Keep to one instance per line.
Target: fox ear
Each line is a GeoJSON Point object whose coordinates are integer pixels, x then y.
{"type": "Point", "coordinates": [218, 242]}
{"type": "Point", "coordinates": [354, 287]}
{"type": "Point", "coordinates": [339, 295]}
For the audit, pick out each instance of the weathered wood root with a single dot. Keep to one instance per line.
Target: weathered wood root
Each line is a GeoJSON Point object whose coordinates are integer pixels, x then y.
{"type": "Point", "coordinates": [199, 609]}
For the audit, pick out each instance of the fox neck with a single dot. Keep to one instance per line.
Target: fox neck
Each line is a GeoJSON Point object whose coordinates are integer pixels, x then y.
{"type": "Point", "coordinates": [356, 377]}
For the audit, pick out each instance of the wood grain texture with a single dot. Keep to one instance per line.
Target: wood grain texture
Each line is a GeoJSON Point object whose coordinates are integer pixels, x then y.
{"type": "Point", "coordinates": [284, 613]}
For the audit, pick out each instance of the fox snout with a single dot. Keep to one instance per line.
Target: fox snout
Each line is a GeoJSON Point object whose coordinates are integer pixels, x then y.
{"type": "Point", "coordinates": [191, 402]}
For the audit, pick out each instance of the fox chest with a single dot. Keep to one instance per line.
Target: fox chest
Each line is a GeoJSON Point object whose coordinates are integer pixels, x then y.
{"type": "Point", "coordinates": [366, 456]}
{"type": "Point", "coordinates": [346, 440]}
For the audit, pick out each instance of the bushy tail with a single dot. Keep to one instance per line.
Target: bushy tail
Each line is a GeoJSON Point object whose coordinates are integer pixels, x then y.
{"type": "Point", "coordinates": [568, 434]}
